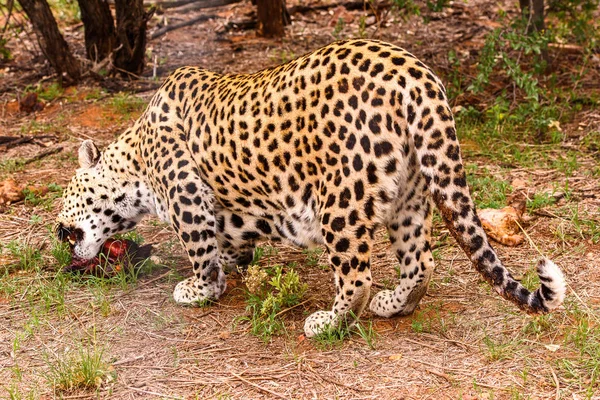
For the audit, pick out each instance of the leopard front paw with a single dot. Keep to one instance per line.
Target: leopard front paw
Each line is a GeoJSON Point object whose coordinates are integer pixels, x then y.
{"type": "Point", "coordinates": [320, 322]}
{"type": "Point", "coordinates": [192, 290]}
{"type": "Point", "coordinates": [384, 304]}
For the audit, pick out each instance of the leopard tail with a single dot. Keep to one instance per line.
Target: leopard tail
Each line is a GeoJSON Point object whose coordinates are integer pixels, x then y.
{"type": "Point", "coordinates": [442, 168]}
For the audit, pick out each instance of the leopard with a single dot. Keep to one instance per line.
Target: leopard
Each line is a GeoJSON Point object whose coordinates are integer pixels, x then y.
{"type": "Point", "coordinates": [320, 151]}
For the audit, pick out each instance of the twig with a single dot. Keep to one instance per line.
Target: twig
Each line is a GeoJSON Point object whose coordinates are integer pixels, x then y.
{"type": "Point", "coordinates": [292, 307]}
{"type": "Point", "coordinates": [206, 4]}
{"type": "Point", "coordinates": [440, 374]}
{"type": "Point", "coordinates": [422, 344]}
{"type": "Point", "coordinates": [216, 320]}
{"type": "Point", "coordinates": [530, 240]}
{"type": "Point", "coordinates": [172, 3]}
{"type": "Point", "coordinates": [9, 6]}
{"type": "Point", "coordinates": [43, 154]}
{"type": "Point", "coordinates": [348, 5]}
{"type": "Point", "coordinates": [12, 141]}
{"type": "Point", "coordinates": [201, 3]}
{"type": "Point", "coordinates": [161, 395]}
{"type": "Point", "coordinates": [333, 381]}
{"type": "Point", "coordinates": [156, 279]}
{"type": "Point", "coordinates": [262, 389]}
{"type": "Point", "coordinates": [168, 28]}
{"type": "Point", "coordinates": [555, 378]}
{"type": "Point", "coordinates": [127, 360]}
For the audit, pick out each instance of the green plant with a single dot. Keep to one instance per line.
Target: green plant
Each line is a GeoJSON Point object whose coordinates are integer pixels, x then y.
{"type": "Point", "coordinates": [502, 53]}
{"type": "Point", "coordinates": [84, 369]}
{"type": "Point", "coordinates": [584, 335]}
{"type": "Point", "coordinates": [367, 333]}
{"type": "Point", "coordinates": [437, 5]}
{"type": "Point", "coordinates": [94, 94]}
{"type": "Point", "coordinates": [29, 258]}
{"type": "Point", "coordinates": [11, 165]}
{"type": "Point", "coordinates": [540, 200]}
{"type": "Point", "coordinates": [454, 77]}
{"type": "Point", "coordinates": [127, 104]}
{"type": "Point", "coordinates": [50, 292]}
{"type": "Point", "coordinates": [261, 252]}
{"type": "Point", "coordinates": [61, 253]}
{"type": "Point", "coordinates": [362, 27]}
{"type": "Point", "coordinates": [531, 279]}
{"type": "Point", "coordinates": [488, 192]}
{"type": "Point", "coordinates": [134, 236]}
{"type": "Point", "coordinates": [15, 394]}
{"type": "Point", "coordinates": [46, 201]}
{"type": "Point", "coordinates": [574, 20]}
{"type": "Point", "coordinates": [313, 258]}
{"type": "Point", "coordinates": [420, 324]}
{"type": "Point", "coordinates": [406, 7]}
{"type": "Point", "coordinates": [51, 92]}
{"type": "Point", "coordinates": [332, 336]}
{"type": "Point", "coordinates": [4, 51]}
{"type": "Point", "coordinates": [539, 325]}
{"type": "Point", "coordinates": [269, 295]}
{"type": "Point", "coordinates": [101, 301]}
{"type": "Point", "coordinates": [587, 228]}
{"type": "Point", "coordinates": [338, 29]}
{"type": "Point", "coordinates": [283, 56]}
{"type": "Point", "coordinates": [498, 350]}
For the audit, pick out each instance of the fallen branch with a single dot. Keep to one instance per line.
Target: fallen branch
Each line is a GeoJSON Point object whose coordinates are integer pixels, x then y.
{"type": "Point", "coordinates": [170, 4]}
{"type": "Point", "coordinates": [43, 154]}
{"type": "Point", "coordinates": [440, 374]}
{"type": "Point", "coordinates": [168, 28]}
{"type": "Point", "coordinates": [241, 25]}
{"type": "Point", "coordinates": [566, 48]}
{"type": "Point", "coordinates": [8, 142]}
{"type": "Point", "coordinates": [12, 141]}
{"type": "Point", "coordinates": [179, 3]}
{"type": "Point", "coordinates": [262, 389]}
{"type": "Point", "coordinates": [206, 4]}
{"type": "Point", "coordinates": [348, 5]}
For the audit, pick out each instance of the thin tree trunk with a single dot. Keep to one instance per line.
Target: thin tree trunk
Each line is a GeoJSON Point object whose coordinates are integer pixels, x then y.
{"type": "Point", "coordinates": [131, 35]}
{"type": "Point", "coordinates": [99, 29]}
{"type": "Point", "coordinates": [51, 41]}
{"type": "Point", "coordinates": [533, 10]}
{"type": "Point", "coordinates": [271, 17]}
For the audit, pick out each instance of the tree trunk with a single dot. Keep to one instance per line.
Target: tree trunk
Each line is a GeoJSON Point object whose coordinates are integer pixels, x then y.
{"type": "Point", "coordinates": [99, 29]}
{"type": "Point", "coordinates": [533, 10]}
{"type": "Point", "coordinates": [272, 16]}
{"type": "Point", "coordinates": [131, 35]}
{"type": "Point", "coordinates": [51, 41]}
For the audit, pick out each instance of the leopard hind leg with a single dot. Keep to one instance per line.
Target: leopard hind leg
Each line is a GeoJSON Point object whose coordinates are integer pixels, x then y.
{"type": "Point", "coordinates": [409, 229]}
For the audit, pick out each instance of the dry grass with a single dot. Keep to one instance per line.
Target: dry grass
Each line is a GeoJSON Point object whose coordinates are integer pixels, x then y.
{"type": "Point", "coordinates": [462, 342]}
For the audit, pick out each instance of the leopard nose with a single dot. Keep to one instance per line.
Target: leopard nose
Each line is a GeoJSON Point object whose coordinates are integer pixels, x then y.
{"type": "Point", "coordinates": [62, 233]}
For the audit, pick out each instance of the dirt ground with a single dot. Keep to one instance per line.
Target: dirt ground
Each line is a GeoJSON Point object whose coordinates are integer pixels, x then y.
{"type": "Point", "coordinates": [464, 341]}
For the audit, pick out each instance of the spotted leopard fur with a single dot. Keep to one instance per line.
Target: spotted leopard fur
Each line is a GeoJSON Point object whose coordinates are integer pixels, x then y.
{"type": "Point", "coordinates": [318, 151]}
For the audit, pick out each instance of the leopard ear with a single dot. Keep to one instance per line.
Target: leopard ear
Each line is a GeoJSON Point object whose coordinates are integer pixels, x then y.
{"type": "Point", "coordinates": [89, 155]}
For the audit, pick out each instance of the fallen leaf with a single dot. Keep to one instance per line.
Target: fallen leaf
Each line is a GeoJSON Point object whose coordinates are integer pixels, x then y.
{"type": "Point", "coordinates": [552, 347]}
{"type": "Point", "coordinates": [555, 124]}
{"type": "Point", "coordinates": [224, 335]}
{"type": "Point", "coordinates": [396, 357]}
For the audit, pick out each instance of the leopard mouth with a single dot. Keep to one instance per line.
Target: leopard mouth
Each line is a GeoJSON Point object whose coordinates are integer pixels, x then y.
{"type": "Point", "coordinates": [73, 237]}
